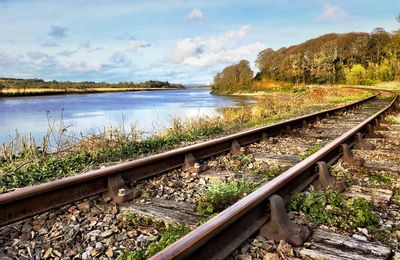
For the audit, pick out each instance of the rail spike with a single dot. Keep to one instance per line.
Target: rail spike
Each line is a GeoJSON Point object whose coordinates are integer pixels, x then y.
{"type": "Point", "coordinates": [118, 190]}
{"type": "Point", "coordinates": [281, 228]}
{"type": "Point", "coordinates": [351, 159]}
{"type": "Point", "coordinates": [325, 180]}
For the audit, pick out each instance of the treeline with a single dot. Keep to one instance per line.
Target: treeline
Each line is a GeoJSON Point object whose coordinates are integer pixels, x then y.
{"type": "Point", "coordinates": [39, 83]}
{"type": "Point", "coordinates": [352, 58]}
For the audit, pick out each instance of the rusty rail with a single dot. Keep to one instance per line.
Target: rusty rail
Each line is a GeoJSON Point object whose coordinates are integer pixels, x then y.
{"type": "Point", "coordinates": [29, 201]}
{"type": "Point", "coordinates": [220, 236]}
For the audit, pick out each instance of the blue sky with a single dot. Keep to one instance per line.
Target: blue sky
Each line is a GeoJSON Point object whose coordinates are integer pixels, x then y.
{"type": "Point", "coordinates": [183, 41]}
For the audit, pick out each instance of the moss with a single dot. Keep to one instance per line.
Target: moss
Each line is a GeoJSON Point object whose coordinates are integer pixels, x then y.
{"type": "Point", "coordinates": [334, 209]}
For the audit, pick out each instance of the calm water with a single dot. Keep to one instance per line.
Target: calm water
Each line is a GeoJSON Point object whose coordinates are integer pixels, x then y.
{"type": "Point", "coordinates": [150, 111]}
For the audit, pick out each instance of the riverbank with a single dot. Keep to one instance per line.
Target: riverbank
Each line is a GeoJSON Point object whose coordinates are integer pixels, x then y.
{"type": "Point", "coordinates": [10, 87]}
{"type": "Point", "coordinates": [36, 164]}
{"type": "Point", "coordinates": [16, 92]}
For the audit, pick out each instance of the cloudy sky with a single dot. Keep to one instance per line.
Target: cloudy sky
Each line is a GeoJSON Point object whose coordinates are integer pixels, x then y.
{"type": "Point", "coordinates": [183, 41]}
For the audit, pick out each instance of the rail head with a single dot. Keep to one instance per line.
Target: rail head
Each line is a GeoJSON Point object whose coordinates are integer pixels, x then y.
{"type": "Point", "coordinates": [190, 245]}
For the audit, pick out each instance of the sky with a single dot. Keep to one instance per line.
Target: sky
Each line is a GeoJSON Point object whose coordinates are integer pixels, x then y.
{"type": "Point", "coordinates": [181, 41]}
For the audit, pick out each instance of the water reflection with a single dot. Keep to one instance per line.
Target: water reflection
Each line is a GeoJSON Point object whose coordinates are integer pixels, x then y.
{"type": "Point", "coordinates": [149, 111]}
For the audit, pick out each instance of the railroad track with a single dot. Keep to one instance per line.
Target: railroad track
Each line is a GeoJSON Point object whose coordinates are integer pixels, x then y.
{"type": "Point", "coordinates": [263, 211]}
{"type": "Point", "coordinates": [169, 193]}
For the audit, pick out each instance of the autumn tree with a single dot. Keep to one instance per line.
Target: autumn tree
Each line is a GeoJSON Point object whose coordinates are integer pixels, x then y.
{"type": "Point", "coordinates": [233, 78]}
{"type": "Point", "coordinates": [328, 58]}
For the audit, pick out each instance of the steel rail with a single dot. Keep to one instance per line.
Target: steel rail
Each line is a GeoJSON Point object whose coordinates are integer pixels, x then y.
{"type": "Point", "coordinates": [29, 201]}
{"type": "Point", "coordinates": [220, 236]}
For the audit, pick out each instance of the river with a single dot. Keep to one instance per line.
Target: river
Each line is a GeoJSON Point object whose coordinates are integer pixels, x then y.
{"type": "Point", "coordinates": [149, 111]}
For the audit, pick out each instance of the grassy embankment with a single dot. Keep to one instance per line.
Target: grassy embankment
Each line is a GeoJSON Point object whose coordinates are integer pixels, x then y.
{"type": "Point", "coordinates": [33, 87]}
{"type": "Point", "coordinates": [25, 162]}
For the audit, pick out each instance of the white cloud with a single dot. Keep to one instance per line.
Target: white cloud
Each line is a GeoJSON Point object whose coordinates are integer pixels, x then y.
{"type": "Point", "coordinates": [185, 48]}
{"type": "Point", "coordinates": [50, 44]}
{"type": "Point", "coordinates": [207, 51]}
{"type": "Point", "coordinates": [195, 15]}
{"type": "Point", "coordinates": [119, 59]}
{"type": "Point", "coordinates": [333, 13]}
{"type": "Point", "coordinates": [85, 44]}
{"type": "Point", "coordinates": [58, 32]}
{"type": "Point", "coordinates": [138, 45]}
{"type": "Point", "coordinates": [83, 66]}
{"type": "Point", "coordinates": [66, 53]}
{"type": "Point", "coordinates": [225, 56]}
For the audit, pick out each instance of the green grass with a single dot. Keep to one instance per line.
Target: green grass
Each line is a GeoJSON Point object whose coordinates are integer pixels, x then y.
{"type": "Point", "coordinates": [12, 175]}
{"type": "Point", "coordinates": [309, 152]}
{"type": "Point", "coordinates": [393, 119]}
{"type": "Point", "coordinates": [396, 197]}
{"type": "Point", "coordinates": [167, 235]}
{"type": "Point", "coordinates": [380, 179]}
{"type": "Point", "coordinates": [392, 85]}
{"type": "Point", "coordinates": [221, 195]}
{"type": "Point", "coordinates": [334, 209]}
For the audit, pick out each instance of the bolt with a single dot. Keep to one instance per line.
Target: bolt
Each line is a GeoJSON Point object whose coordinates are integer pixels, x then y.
{"type": "Point", "coordinates": [121, 192]}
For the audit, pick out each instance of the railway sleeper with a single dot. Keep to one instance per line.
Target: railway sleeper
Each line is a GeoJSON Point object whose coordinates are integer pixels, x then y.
{"type": "Point", "coordinates": [329, 245]}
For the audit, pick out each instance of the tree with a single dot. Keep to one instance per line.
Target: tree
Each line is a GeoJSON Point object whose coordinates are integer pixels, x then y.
{"type": "Point", "coordinates": [233, 78]}
{"type": "Point", "coordinates": [356, 75]}
{"type": "Point", "coordinates": [379, 38]}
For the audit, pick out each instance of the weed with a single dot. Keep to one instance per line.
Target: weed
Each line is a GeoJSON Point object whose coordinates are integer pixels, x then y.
{"type": "Point", "coordinates": [221, 195]}
{"type": "Point", "coordinates": [167, 236]}
{"type": "Point", "coordinates": [131, 220]}
{"type": "Point", "coordinates": [392, 119]}
{"type": "Point", "coordinates": [380, 179]}
{"type": "Point", "coordinates": [309, 152]}
{"type": "Point", "coordinates": [334, 209]}
{"type": "Point", "coordinates": [244, 159]}
{"type": "Point", "coordinates": [396, 197]}
{"type": "Point", "coordinates": [132, 255]}
{"type": "Point", "coordinates": [270, 172]}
